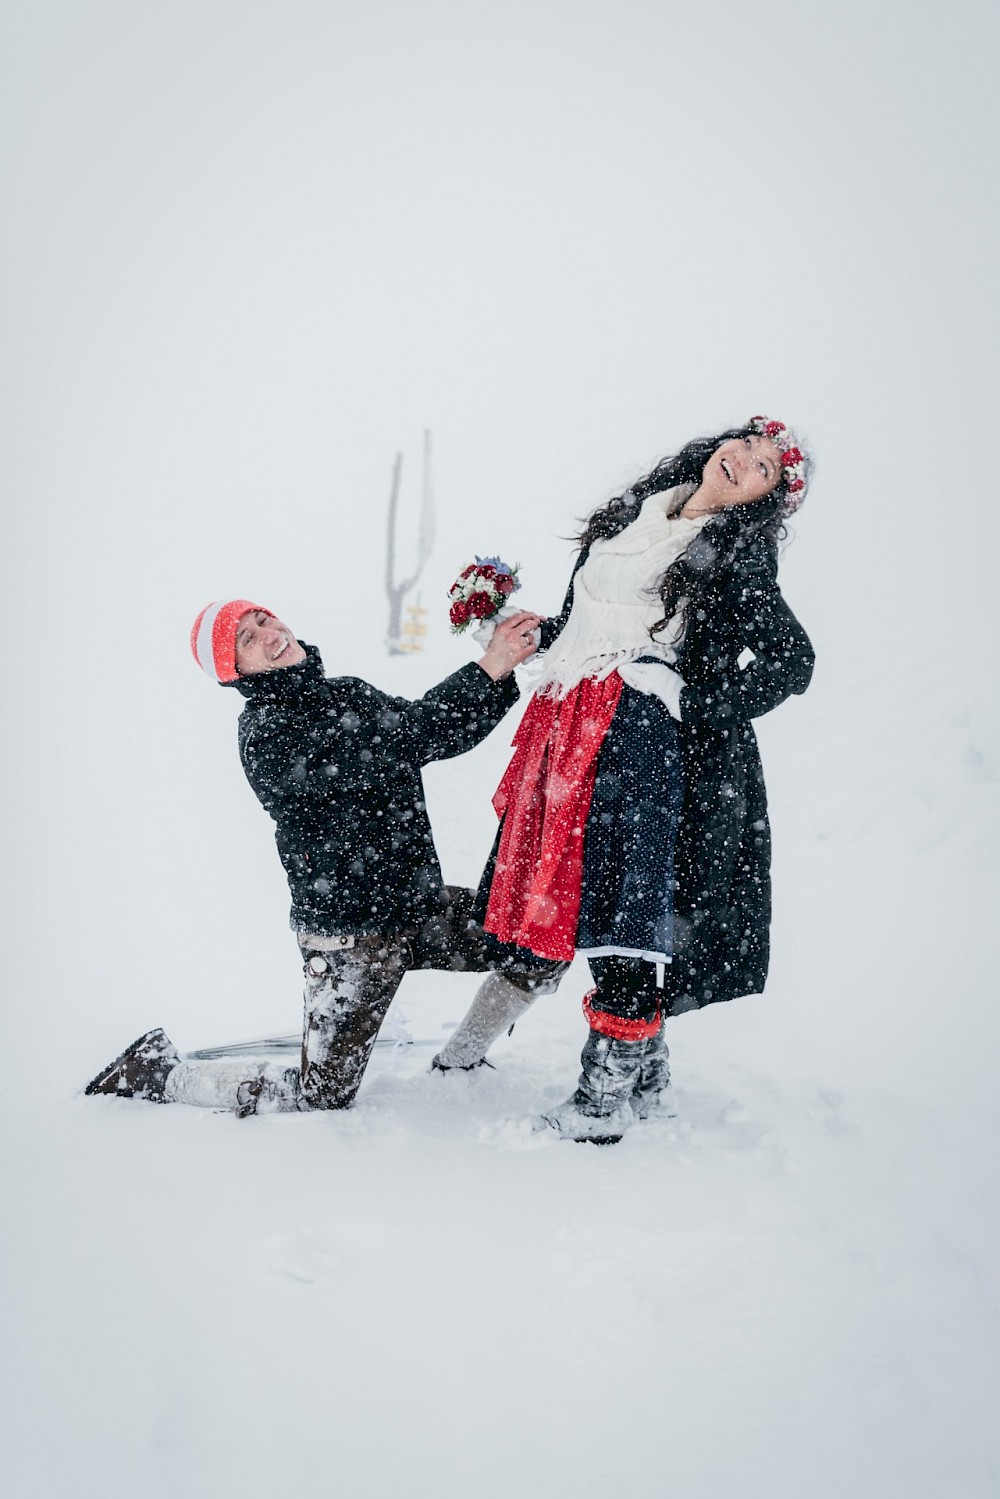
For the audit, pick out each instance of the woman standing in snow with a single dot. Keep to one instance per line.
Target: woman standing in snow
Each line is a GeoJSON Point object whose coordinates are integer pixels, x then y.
{"type": "Point", "coordinates": [634, 821]}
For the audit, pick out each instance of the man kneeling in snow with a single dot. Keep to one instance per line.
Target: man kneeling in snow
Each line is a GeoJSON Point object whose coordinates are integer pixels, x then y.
{"type": "Point", "coordinates": [336, 764]}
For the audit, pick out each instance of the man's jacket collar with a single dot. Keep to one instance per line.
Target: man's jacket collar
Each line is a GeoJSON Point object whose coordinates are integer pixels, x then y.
{"type": "Point", "coordinates": [285, 684]}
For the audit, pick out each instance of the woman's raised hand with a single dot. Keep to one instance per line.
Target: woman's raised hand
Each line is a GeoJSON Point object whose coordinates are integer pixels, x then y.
{"type": "Point", "coordinates": [514, 640]}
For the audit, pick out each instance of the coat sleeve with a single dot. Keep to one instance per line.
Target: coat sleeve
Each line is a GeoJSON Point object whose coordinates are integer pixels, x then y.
{"type": "Point", "coordinates": [552, 628]}
{"type": "Point", "coordinates": [275, 761]}
{"type": "Point", "coordinates": [760, 621]}
{"type": "Point", "coordinates": [458, 713]}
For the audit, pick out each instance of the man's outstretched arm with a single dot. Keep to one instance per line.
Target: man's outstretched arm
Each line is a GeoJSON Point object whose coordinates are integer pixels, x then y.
{"type": "Point", "coordinates": [460, 711]}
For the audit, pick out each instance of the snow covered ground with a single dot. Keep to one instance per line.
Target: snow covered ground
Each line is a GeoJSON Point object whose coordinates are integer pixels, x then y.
{"type": "Point", "coordinates": [790, 1288]}
{"type": "Point", "coordinates": [784, 1292]}
{"type": "Point", "coordinates": [249, 251]}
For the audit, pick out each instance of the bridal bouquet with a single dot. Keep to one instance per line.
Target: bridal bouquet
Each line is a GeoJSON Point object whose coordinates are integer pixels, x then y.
{"type": "Point", "coordinates": [480, 591]}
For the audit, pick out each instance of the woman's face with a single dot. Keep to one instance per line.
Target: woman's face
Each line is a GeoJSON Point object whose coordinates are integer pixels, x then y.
{"type": "Point", "coordinates": [741, 470]}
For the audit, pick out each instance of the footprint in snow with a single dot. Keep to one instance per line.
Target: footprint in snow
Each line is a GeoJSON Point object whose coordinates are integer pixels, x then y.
{"type": "Point", "coordinates": [297, 1257]}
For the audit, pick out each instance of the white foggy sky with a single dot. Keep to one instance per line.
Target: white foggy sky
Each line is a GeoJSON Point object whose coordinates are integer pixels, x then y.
{"type": "Point", "coordinates": [251, 249]}
{"type": "Point", "coordinates": [255, 248]}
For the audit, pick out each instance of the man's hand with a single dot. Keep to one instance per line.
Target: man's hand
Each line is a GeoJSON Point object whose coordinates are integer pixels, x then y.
{"type": "Point", "coordinates": [513, 642]}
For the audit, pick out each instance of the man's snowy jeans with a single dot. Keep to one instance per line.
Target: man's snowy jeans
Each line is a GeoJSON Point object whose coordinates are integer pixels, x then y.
{"type": "Point", "coordinates": [349, 988]}
{"type": "Point", "coordinates": [347, 994]}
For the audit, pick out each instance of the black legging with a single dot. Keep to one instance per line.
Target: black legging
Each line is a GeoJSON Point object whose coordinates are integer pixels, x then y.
{"type": "Point", "coordinates": [626, 987]}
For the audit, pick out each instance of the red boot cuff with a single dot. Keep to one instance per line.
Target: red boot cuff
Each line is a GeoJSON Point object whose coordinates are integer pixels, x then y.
{"type": "Point", "coordinates": [618, 1028]}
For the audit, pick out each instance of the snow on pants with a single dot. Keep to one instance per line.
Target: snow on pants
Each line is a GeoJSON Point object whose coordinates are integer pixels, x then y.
{"type": "Point", "coordinates": [347, 994]}
{"type": "Point", "coordinates": [348, 990]}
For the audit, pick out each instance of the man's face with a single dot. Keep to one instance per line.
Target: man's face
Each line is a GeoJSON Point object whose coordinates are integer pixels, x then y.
{"type": "Point", "coordinates": [263, 643]}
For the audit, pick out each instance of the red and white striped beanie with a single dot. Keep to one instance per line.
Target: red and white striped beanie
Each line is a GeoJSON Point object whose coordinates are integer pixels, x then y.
{"type": "Point", "coordinates": [213, 636]}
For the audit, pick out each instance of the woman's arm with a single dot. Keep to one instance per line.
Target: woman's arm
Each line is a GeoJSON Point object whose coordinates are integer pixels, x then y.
{"type": "Point", "coordinates": [759, 620]}
{"type": "Point", "coordinates": [552, 627]}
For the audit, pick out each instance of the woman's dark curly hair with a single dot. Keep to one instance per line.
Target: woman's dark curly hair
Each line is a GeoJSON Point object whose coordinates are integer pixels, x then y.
{"type": "Point", "coordinates": [686, 583]}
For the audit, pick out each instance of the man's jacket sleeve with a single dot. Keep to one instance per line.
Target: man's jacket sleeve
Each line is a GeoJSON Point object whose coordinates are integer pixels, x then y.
{"type": "Point", "coordinates": [458, 713]}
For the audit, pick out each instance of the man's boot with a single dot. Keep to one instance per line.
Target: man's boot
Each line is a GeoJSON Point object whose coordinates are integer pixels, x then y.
{"type": "Point", "coordinates": [600, 1111]}
{"type": "Point", "coordinates": [497, 1006]}
{"type": "Point", "coordinates": [651, 1097]}
{"type": "Point", "coordinates": [141, 1071]}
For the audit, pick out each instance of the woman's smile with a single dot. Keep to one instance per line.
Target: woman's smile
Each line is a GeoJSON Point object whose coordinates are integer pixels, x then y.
{"type": "Point", "coordinates": [741, 470]}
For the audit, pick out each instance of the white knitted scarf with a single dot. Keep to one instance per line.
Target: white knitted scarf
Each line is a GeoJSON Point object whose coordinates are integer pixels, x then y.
{"type": "Point", "coordinates": [615, 600]}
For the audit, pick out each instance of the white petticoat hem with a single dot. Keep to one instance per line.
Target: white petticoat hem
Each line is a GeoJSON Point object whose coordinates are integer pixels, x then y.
{"type": "Point", "coordinates": [625, 952]}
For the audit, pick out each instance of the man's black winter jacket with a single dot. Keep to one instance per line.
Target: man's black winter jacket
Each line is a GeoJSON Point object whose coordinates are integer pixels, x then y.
{"type": "Point", "coordinates": [336, 763]}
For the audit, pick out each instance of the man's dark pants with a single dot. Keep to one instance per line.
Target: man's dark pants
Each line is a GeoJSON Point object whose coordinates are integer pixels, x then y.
{"type": "Point", "coordinates": [350, 983]}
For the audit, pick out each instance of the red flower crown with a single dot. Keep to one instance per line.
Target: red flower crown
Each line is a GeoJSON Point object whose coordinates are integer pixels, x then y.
{"type": "Point", "coordinates": [794, 464]}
